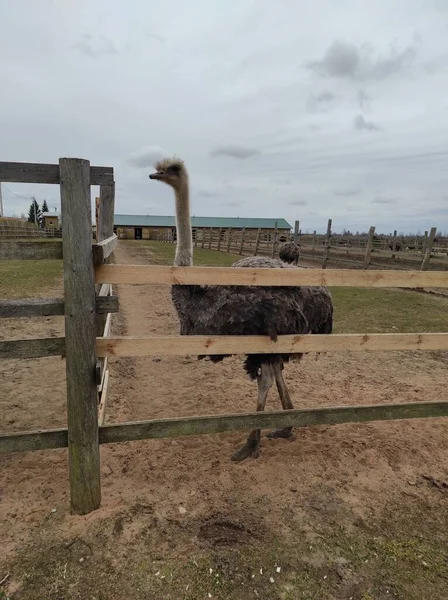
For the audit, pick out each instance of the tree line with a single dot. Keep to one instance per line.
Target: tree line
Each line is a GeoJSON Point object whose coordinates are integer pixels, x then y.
{"type": "Point", "coordinates": [35, 212]}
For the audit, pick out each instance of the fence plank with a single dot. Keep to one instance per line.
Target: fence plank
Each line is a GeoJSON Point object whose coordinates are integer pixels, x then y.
{"type": "Point", "coordinates": [32, 348]}
{"type": "Point", "coordinates": [103, 401]}
{"type": "Point", "coordinates": [428, 249]}
{"type": "Point", "coordinates": [170, 275]}
{"type": "Point", "coordinates": [162, 428]}
{"type": "Point", "coordinates": [16, 172]}
{"type": "Point", "coordinates": [48, 307]}
{"type": "Point", "coordinates": [82, 408]}
{"type": "Point", "coordinates": [369, 248]}
{"type": "Point", "coordinates": [44, 250]}
{"type": "Point", "coordinates": [247, 344]}
{"type": "Point", "coordinates": [104, 249]}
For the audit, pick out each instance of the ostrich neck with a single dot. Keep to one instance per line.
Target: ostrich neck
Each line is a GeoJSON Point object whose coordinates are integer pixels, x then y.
{"type": "Point", "coordinates": [184, 250]}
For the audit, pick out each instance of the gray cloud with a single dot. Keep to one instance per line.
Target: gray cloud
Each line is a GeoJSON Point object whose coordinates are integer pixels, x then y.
{"type": "Point", "coordinates": [360, 123]}
{"type": "Point", "coordinates": [347, 61]}
{"type": "Point", "coordinates": [363, 100]}
{"type": "Point", "coordinates": [384, 200]}
{"type": "Point", "coordinates": [234, 151]}
{"type": "Point", "coordinates": [234, 203]}
{"type": "Point", "coordinates": [95, 47]}
{"type": "Point", "coordinates": [321, 102]}
{"type": "Point", "coordinates": [146, 157]}
{"type": "Point", "coordinates": [347, 192]}
{"type": "Point", "coordinates": [298, 203]}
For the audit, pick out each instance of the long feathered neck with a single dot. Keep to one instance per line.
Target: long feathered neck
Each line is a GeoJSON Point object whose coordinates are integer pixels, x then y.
{"type": "Point", "coordinates": [184, 250]}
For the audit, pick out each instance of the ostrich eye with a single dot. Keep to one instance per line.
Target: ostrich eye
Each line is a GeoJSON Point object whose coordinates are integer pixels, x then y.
{"type": "Point", "coordinates": [175, 169]}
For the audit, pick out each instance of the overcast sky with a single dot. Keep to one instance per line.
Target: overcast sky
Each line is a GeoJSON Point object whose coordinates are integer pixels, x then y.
{"type": "Point", "coordinates": [302, 110]}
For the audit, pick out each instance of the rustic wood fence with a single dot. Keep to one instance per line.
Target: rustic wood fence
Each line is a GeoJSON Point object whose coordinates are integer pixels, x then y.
{"type": "Point", "coordinates": [87, 344]}
{"type": "Point", "coordinates": [359, 251]}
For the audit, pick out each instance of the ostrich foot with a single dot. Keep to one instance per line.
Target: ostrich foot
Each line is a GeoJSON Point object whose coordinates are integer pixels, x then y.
{"type": "Point", "coordinates": [286, 432]}
{"type": "Point", "coordinates": [250, 449]}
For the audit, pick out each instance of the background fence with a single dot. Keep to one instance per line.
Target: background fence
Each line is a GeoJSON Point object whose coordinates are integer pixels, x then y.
{"type": "Point", "coordinates": [87, 344]}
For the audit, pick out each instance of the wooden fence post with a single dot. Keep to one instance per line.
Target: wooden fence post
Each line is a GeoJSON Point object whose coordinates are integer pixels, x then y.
{"type": "Point", "coordinates": [327, 244]}
{"type": "Point", "coordinates": [369, 248]}
{"type": "Point", "coordinates": [274, 242]}
{"type": "Point", "coordinates": [97, 218]}
{"type": "Point", "coordinates": [394, 243]}
{"type": "Point", "coordinates": [79, 291]}
{"type": "Point", "coordinates": [314, 240]}
{"type": "Point", "coordinates": [428, 249]}
{"type": "Point", "coordinates": [106, 207]}
{"type": "Point", "coordinates": [296, 231]}
{"type": "Point", "coordinates": [219, 238]}
{"type": "Point", "coordinates": [229, 238]}
{"type": "Point", "coordinates": [243, 231]}
{"type": "Point", "coordinates": [257, 241]}
{"type": "Point", "coordinates": [425, 242]}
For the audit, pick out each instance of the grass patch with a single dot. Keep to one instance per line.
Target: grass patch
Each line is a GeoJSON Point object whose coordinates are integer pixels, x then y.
{"type": "Point", "coordinates": [357, 310]}
{"type": "Point", "coordinates": [28, 278]}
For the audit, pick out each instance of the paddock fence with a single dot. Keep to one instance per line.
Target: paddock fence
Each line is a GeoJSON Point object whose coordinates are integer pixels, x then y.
{"type": "Point", "coordinates": [88, 303]}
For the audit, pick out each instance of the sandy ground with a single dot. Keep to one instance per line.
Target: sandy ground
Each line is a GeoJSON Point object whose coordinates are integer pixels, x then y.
{"type": "Point", "coordinates": [187, 493]}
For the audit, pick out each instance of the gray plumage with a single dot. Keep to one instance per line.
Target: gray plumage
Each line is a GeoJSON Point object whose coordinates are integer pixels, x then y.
{"type": "Point", "coordinates": [290, 253]}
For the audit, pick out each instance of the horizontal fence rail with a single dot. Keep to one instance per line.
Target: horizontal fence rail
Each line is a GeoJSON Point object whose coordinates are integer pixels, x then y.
{"type": "Point", "coordinates": [32, 348]}
{"type": "Point", "coordinates": [163, 428]}
{"type": "Point", "coordinates": [17, 172]}
{"type": "Point", "coordinates": [30, 250]}
{"type": "Point", "coordinates": [142, 274]}
{"type": "Point", "coordinates": [104, 249]}
{"type": "Point", "coordinates": [285, 344]}
{"type": "Point", "coordinates": [46, 307]}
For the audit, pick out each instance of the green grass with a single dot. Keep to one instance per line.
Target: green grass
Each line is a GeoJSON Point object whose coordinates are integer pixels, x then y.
{"type": "Point", "coordinates": [357, 310]}
{"type": "Point", "coordinates": [28, 278]}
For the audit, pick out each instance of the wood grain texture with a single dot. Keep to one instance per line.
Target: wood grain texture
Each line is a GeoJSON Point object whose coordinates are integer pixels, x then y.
{"type": "Point", "coordinates": [13, 250]}
{"type": "Point", "coordinates": [162, 428]}
{"type": "Point", "coordinates": [32, 348]}
{"type": "Point", "coordinates": [17, 172]}
{"type": "Point", "coordinates": [327, 244]}
{"type": "Point", "coordinates": [369, 248]}
{"type": "Point", "coordinates": [79, 290]}
{"type": "Point", "coordinates": [170, 275]}
{"type": "Point", "coordinates": [47, 307]}
{"type": "Point", "coordinates": [103, 249]}
{"type": "Point", "coordinates": [103, 399]}
{"type": "Point", "coordinates": [285, 344]}
{"type": "Point", "coordinates": [428, 249]}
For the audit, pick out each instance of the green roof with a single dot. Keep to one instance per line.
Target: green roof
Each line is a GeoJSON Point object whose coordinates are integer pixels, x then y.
{"type": "Point", "coordinates": [224, 222]}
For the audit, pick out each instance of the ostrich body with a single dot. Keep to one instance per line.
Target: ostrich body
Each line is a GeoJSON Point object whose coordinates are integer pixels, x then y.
{"type": "Point", "coordinates": [290, 253]}
{"type": "Point", "coordinates": [243, 310]}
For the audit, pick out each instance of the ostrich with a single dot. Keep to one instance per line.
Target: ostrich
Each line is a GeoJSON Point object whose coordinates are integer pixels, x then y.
{"type": "Point", "coordinates": [243, 310]}
{"type": "Point", "coordinates": [290, 253]}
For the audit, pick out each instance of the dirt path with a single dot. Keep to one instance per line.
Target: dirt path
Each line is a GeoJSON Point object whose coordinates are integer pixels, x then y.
{"type": "Point", "coordinates": [173, 498]}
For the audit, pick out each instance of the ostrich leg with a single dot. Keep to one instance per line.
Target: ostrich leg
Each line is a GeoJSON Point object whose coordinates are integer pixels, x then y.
{"type": "Point", "coordinates": [285, 399]}
{"type": "Point", "coordinates": [251, 447]}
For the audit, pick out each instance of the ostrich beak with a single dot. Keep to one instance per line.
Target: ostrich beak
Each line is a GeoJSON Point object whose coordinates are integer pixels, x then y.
{"type": "Point", "coordinates": [157, 175]}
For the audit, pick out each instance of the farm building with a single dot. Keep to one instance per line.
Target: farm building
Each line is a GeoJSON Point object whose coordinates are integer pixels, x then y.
{"type": "Point", "coordinates": [152, 227]}
{"type": "Point", "coordinates": [50, 220]}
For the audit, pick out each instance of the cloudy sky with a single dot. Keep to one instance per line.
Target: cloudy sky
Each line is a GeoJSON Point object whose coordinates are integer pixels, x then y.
{"type": "Point", "coordinates": [302, 110]}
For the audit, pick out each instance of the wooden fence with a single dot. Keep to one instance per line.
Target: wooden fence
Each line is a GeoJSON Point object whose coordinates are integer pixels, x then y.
{"type": "Point", "coordinates": [358, 251]}
{"type": "Point", "coordinates": [86, 352]}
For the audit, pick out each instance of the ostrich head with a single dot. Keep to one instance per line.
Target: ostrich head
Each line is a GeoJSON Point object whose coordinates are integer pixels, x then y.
{"type": "Point", "coordinates": [171, 171]}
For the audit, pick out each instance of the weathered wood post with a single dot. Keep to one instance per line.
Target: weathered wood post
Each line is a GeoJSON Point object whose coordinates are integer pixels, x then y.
{"type": "Point", "coordinates": [327, 244]}
{"type": "Point", "coordinates": [219, 238]}
{"type": "Point", "coordinates": [229, 231]}
{"type": "Point", "coordinates": [425, 242]}
{"type": "Point", "coordinates": [369, 248]}
{"type": "Point", "coordinates": [105, 230]}
{"type": "Point", "coordinates": [243, 231]}
{"type": "Point", "coordinates": [296, 231]}
{"type": "Point", "coordinates": [428, 249]}
{"type": "Point", "coordinates": [79, 291]}
{"type": "Point", "coordinates": [394, 243]}
{"type": "Point", "coordinates": [257, 241]}
{"type": "Point", "coordinates": [274, 242]}
{"type": "Point", "coordinates": [97, 217]}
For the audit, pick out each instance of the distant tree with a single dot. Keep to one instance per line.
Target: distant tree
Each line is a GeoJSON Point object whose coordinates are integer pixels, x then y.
{"type": "Point", "coordinates": [34, 214]}
{"type": "Point", "coordinates": [44, 206]}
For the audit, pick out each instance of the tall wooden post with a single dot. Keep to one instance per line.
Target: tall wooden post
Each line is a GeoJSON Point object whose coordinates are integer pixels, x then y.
{"type": "Point", "coordinates": [97, 217]}
{"type": "Point", "coordinates": [274, 242]}
{"type": "Point", "coordinates": [369, 248]}
{"type": "Point", "coordinates": [296, 231]}
{"type": "Point", "coordinates": [79, 291]}
{"type": "Point", "coordinates": [219, 238]}
{"type": "Point", "coordinates": [314, 239]}
{"type": "Point", "coordinates": [257, 241]}
{"type": "Point", "coordinates": [327, 244]}
{"type": "Point", "coordinates": [425, 242]}
{"type": "Point", "coordinates": [243, 231]}
{"type": "Point", "coordinates": [229, 231]}
{"type": "Point", "coordinates": [428, 249]}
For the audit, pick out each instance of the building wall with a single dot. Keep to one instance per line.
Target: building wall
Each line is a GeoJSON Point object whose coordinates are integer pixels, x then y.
{"type": "Point", "coordinates": [51, 222]}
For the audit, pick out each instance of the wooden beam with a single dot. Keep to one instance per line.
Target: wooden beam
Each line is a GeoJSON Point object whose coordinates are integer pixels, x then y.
{"type": "Point", "coordinates": [104, 249]}
{"type": "Point", "coordinates": [79, 288]}
{"type": "Point", "coordinates": [17, 172]}
{"type": "Point", "coordinates": [32, 348]}
{"type": "Point", "coordinates": [296, 232]}
{"type": "Point", "coordinates": [13, 250]}
{"type": "Point", "coordinates": [106, 211]}
{"type": "Point", "coordinates": [428, 249]}
{"type": "Point", "coordinates": [48, 307]}
{"type": "Point", "coordinates": [369, 248]}
{"type": "Point", "coordinates": [285, 344]}
{"type": "Point", "coordinates": [145, 274]}
{"type": "Point", "coordinates": [103, 400]}
{"type": "Point", "coordinates": [163, 428]}
{"type": "Point", "coordinates": [327, 244]}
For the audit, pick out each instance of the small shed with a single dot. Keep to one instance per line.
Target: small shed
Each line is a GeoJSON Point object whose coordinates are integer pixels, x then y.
{"type": "Point", "coordinates": [50, 220]}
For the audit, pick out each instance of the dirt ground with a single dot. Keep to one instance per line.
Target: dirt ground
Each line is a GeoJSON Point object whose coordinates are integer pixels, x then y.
{"type": "Point", "coordinates": [319, 507]}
